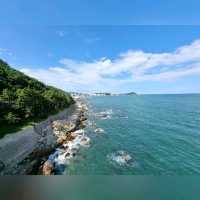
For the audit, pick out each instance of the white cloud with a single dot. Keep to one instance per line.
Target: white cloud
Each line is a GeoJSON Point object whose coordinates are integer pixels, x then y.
{"type": "Point", "coordinates": [60, 33]}
{"type": "Point", "coordinates": [50, 55]}
{"type": "Point", "coordinates": [138, 66]}
{"type": "Point", "coordinates": [5, 52]}
{"type": "Point", "coordinates": [91, 40]}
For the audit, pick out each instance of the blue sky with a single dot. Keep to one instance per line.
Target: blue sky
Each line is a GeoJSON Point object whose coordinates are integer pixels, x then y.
{"type": "Point", "coordinates": [144, 59]}
{"type": "Point", "coordinates": [96, 12]}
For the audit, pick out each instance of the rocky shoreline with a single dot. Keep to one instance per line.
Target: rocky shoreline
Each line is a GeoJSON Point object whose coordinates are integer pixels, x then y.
{"type": "Point", "coordinates": [29, 152]}
{"type": "Point", "coordinates": [70, 137]}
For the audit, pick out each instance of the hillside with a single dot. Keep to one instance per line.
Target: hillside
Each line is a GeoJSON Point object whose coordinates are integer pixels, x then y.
{"type": "Point", "coordinates": [24, 99]}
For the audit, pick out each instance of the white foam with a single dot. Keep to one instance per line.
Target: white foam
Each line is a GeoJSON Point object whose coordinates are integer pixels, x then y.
{"type": "Point", "coordinates": [99, 130]}
{"type": "Point", "coordinates": [105, 114]}
{"type": "Point", "coordinates": [121, 158]}
{"type": "Point", "coordinates": [80, 132]}
{"type": "Point", "coordinates": [68, 150]}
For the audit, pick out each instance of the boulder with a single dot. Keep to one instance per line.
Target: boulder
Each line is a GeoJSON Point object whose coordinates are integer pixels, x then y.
{"type": "Point", "coordinates": [60, 141]}
{"type": "Point", "coordinates": [85, 141]}
{"type": "Point", "coordinates": [61, 127]}
{"type": "Point", "coordinates": [83, 118]}
{"type": "Point", "coordinates": [70, 137]}
{"type": "Point", "coordinates": [48, 168]}
{"type": "Point", "coordinates": [73, 134]}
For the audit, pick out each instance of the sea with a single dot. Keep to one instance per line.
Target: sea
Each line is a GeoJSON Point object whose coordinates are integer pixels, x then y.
{"type": "Point", "coordinates": [141, 135]}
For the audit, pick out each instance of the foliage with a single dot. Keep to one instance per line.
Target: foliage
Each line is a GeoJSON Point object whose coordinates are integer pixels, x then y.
{"type": "Point", "coordinates": [22, 97]}
{"type": "Point", "coordinates": [8, 95]}
{"type": "Point", "coordinates": [12, 118]}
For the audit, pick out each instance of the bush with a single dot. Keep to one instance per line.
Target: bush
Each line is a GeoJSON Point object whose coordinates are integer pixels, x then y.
{"type": "Point", "coordinates": [32, 103]}
{"type": "Point", "coordinates": [11, 118]}
{"type": "Point", "coordinates": [8, 95]}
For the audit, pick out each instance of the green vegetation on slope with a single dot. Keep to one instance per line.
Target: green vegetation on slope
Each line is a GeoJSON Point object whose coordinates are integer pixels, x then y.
{"type": "Point", "coordinates": [24, 100]}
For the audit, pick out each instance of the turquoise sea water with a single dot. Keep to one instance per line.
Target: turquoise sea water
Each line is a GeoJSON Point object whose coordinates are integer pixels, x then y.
{"type": "Point", "coordinates": [160, 132]}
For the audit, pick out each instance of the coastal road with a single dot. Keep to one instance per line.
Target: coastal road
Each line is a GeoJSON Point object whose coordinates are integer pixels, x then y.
{"type": "Point", "coordinates": [16, 147]}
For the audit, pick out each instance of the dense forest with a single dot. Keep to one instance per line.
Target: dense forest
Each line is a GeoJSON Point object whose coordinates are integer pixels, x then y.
{"type": "Point", "coordinates": [25, 99]}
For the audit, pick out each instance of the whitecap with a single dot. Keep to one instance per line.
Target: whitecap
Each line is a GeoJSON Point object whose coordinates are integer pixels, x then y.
{"type": "Point", "coordinates": [99, 130]}
{"type": "Point", "coordinates": [105, 114]}
{"type": "Point", "coordinates": [85, 141]}
{"type": "Point", "coordinates": [122, 158]}
{"type": "Point", "coordinates": [63, 155]}
{"type": "Point", "coordinates": [79, 132]}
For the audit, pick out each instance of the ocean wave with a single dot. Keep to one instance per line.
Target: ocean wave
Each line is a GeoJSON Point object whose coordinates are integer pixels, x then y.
{"type": "Point", "coordinates": [99, 130]}
{"type": "Point", "coordinates": [64, 154]}
{"type": "Point", "coordinates": [91, 124]}
{"type": "Point", "coordinates": [104, 114]}
{"type": "Point", "coordinates": [121, 158]}
{"type": "Point", "coordinates": [122, 117]}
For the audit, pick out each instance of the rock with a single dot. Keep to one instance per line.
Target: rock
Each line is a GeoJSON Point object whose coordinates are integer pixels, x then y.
{"type": "Point", "coordinates": [60, 140]}
{"type": "Point", "coordinates": [64, 138]}
{"type": "Point", "coordinates": [67, 155]}
{"type": "Point", "coordinates": [48, 168]}
{"type": "Point", "coordinates": [53, 156]}
{"type": "Point", "coordinates": [73, 154]}
{"type": "Point", "coordinates": [69, 126]}
{"type": "Point", "coordinates": [69, 137]}
{"type": "Point", "coordinates": [42, 140]}
{"type": "Point", "coordinates": [85, 141]}
{"type": "Point", "coordinates": [126, 157]}
{"type": "Point", "coordinates": [82, 125]}
{"type": "Point", "coordinates": [74, 150]}
{"type": "Point", "coordinates": [65, 146]}
{"type": "Point", "coordinates": [79, 132]}
{"type": "Point", "coordinates": [62, 127]}
{"type": "Point", "coordinates": [73, 134]}
{"type": "Point", "coordinates": [82, 118]}
{"type": "Point", "coordinates": [83, 107]}
{"type": "Point", "coordinates": [33, 166]}
{"type": "Point", "coordinates": [44, 132]}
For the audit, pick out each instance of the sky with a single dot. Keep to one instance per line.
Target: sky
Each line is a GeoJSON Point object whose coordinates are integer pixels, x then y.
{"type": "Point", "coordinates": [100, 12]}
{"type": "Point", "coordinates": [105, 46]}
{"type": "Point", "coordinates": [143, 59]}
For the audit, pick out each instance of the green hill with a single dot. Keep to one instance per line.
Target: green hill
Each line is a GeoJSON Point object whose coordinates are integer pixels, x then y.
{"type": "Point", "coordinates": [24, 100]}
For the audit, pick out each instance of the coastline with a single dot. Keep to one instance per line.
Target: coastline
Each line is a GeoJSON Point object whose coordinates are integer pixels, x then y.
{"type": "Point", "coordinates": [26, 151]}
{"type": "Point", "coordinates": [70, 137]}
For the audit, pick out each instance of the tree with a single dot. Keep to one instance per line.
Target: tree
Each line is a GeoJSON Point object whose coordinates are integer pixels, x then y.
{"type": "Point", "coordinates": [25, 97]}
{"type": "Point", "coordinates": [31, 102]}
{"type": "Point", "coordinates": [11, 118]}
{"type": "Point", "coordinates": [8, 95]}
{"type": "Point", "coordinates": [58, 98]}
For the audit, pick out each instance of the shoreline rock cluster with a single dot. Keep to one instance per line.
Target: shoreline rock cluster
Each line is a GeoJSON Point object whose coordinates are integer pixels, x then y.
{"type": "Point", "coordinates": [70, 137]}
